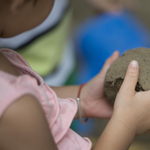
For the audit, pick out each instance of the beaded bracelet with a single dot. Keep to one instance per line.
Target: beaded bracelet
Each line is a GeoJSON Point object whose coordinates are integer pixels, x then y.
{"type": "Point", "coordinates": [79, 110]}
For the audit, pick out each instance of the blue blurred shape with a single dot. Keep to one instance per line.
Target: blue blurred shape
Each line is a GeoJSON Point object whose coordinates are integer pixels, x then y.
{"type": "Point", "coordinates": [100, 36]}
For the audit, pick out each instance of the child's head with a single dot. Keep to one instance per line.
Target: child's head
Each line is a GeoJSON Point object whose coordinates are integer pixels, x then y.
{"type": "Point", "coordinates": [17, 16]}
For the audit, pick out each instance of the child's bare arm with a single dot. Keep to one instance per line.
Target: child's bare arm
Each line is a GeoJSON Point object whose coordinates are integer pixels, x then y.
{"type": "Point", "coordinates": [93, 100]}
{"type": "Point", "coordinates": [24, 124]}
{"type": "Point", "coordinates": [131, 115]}
{"type": "Point", "coordinates": [24, 127]}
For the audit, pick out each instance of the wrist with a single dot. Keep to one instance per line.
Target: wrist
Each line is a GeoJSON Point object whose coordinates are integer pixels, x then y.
{"type": "Point", "coordinates": [82, 102]}
{"type": "Point", "coordinates": [116, 135]}
{"type": "Point", "coordinates": [125, 121]}
{"type": "Point", "coordinates": [81, 106]}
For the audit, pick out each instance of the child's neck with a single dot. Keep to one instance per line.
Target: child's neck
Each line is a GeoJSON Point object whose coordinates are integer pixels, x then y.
{"type": "Point", "coordinates": [8, 67]}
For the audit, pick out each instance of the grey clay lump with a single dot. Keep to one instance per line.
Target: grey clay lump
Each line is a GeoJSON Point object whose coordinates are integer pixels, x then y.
{"type": "Point", "coordinates": [116, 73]}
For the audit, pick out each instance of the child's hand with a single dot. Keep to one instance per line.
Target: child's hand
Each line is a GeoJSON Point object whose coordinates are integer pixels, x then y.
{"type": "Point", "coordinates": [94, 102]}
{"type": "Point", "coordinates": [133, 108]}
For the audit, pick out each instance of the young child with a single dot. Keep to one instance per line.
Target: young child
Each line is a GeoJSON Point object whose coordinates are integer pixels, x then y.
{"type": "Point", "coordinates": [32, 117]}
{"type": "Point", "coordinates": [40, 43]}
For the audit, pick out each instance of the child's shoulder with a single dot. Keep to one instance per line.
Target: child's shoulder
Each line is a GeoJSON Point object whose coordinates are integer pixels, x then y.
{"type": "Point", "coordinates": [58, 112]}
{"type": "Point", "coordinates": [13, 87]}
{"type": "Point", "coordinates": [24, 119]}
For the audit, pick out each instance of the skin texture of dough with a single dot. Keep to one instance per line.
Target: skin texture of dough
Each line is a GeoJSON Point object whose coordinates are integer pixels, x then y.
{"type": "Point", "coordinates": [116, 73]}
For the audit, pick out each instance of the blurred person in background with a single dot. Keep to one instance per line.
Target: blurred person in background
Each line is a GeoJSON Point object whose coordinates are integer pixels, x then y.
{"type": "Point", "coordinates": [39, 45]}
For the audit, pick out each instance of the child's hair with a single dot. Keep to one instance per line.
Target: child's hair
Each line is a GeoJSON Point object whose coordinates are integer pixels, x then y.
{"type": "Point", "coordinates": [17, 16]}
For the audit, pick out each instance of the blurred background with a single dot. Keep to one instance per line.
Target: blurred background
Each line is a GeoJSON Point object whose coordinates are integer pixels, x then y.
{"type": "Point", "coordinates": [72, 44]}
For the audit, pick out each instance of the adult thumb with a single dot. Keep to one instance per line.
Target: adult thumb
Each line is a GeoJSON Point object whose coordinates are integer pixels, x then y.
{"type": "Point", "coordinates": [131, 78]}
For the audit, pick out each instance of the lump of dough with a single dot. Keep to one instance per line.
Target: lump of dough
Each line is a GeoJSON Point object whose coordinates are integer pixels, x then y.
{"type": "Point", "coordinates": [116, 73]}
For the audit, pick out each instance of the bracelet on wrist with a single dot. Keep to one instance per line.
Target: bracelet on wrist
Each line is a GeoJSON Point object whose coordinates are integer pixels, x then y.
{"type": "Point", "coordinates": [79, 109]}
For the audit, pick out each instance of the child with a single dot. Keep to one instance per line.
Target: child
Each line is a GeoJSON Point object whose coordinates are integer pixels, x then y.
{"type": "Point", "coordinates": [40, 43]}
{"type": "Point", "coordinates": [34, 118]}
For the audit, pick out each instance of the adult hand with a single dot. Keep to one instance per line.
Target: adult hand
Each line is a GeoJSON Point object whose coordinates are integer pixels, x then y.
{"type": "Point", "coordinates": [113, 5]}
{"type": "Point", "coordinates": [94, 102]}
{"type": "Point", "coordinates": [133, 108]}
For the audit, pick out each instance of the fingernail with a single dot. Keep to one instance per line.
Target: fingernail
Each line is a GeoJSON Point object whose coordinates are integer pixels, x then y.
{"type": "Point", "coordinates": [115, 52]}
{"type": "Point", "coordinates": [134, 64]}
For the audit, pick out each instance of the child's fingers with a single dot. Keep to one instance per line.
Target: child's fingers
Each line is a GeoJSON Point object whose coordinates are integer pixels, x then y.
{"type": "Point", "coordinates": [131, 78]}
{"type": "Point", "coordinates": [109, 62]}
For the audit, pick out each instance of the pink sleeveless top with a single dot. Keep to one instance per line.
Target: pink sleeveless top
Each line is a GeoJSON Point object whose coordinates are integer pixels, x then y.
{"type": "Point", "coordinates": [59, 112]}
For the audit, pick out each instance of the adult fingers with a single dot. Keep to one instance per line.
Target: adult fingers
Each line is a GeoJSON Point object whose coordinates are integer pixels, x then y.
{"type": "Point", "coordinates": [131, 78]}
{"type": "Point", "coordinates": [108, 63]}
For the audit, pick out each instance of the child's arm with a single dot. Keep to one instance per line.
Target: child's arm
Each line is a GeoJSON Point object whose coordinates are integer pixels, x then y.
{"type": "Point", "coordinates": [24, 127]}
{"type": "Point", "coordinates": [128, 119]}
{"type": "Point", "coordinates": [116, 136]}
{"type": "Point", "coordinates": [93, 101]}
{"type": "Point", "coordinates": [131, 115]}
{"type": "Point", "coordinates": [24, 124]}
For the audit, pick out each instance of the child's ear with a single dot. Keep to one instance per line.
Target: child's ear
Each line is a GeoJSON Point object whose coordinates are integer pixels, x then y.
{"type": "Point", "coordinates": [16, 4]}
